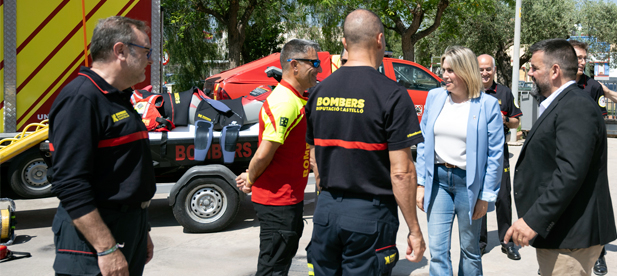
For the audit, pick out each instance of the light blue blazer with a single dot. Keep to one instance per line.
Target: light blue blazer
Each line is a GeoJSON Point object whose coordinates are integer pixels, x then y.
{"type": "Point", "coordinates": [485, 139]}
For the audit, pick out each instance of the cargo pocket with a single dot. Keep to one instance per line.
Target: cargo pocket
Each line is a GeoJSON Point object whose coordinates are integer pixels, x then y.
{"type": "Point", "coordinates": [73, 254]}
{"type": "Point", "coordinates": [284, 248]}
{"type": "Point", "coordinates": [386, 259]}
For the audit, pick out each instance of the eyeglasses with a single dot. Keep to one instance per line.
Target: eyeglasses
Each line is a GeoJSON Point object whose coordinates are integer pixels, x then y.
{"type": "Point", "coordinates": [149, 49]}
{"type": "Point", "coordinates": [582, 58]}
{"type": "Point", "coordinates": [314, 62]}
{"type": "Point", "coordinates": [343, 61]}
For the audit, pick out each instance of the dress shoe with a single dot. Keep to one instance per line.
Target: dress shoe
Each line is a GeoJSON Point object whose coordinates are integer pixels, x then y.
{"type": "Point", "coordinates": [511, 251]}
{"type": "Point", "coordinates": [600, 267]}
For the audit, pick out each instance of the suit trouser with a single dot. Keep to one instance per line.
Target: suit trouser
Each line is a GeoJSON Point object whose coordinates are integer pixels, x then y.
{"type": "Point", "coordinates": [503, 209]}
{"type": "Point", "coordinates": [353, 234]}
{"type": "Point", "coordinates": [75, 255]}
{"type": "Point", "coordinates": [280, 229]}
{"type": "Point", "coordinates": [568, 262]}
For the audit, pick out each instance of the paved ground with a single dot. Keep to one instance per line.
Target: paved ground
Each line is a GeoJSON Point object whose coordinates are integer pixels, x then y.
{"type": "Point", "coordinates": [234, 251]}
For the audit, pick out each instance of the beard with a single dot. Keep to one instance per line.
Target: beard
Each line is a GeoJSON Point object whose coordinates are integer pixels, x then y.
{"type": "Point", "coordinates": [540, 90]}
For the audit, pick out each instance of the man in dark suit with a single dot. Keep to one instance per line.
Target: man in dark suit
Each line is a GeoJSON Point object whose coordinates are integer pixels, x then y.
{"type": "Point", "coordinates": [561, 183]}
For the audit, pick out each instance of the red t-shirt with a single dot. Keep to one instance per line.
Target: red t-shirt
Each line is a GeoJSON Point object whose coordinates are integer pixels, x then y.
{"type": "Point", "coordinates": [282, 120]}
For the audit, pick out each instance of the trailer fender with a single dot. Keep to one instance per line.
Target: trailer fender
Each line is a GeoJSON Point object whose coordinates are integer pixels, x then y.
{"type": "Point", "coordinates": [204, 170]}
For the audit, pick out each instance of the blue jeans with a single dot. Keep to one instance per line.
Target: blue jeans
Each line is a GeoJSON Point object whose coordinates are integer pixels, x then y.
{"type": "Point", "coordinates": [449, 199]}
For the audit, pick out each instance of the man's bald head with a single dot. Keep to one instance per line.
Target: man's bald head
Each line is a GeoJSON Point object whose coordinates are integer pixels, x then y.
{"type": "Point", "coordinates": [361, 27]}
{"type": "Point", "coordinates": [488, 58]}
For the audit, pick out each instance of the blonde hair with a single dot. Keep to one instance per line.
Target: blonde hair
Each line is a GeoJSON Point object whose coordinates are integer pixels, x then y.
{"type": "Point", "coordinates": [465, 65]}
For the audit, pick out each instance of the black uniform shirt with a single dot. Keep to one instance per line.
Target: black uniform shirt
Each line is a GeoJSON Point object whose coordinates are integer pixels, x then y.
{"type": "Point", "coordinates": [594, 88]}
{"type": "Point", "coordinates": [508, 108]}
{"type": "Point", "coordinates": [354, 118]}
{"type": "Point", "coordinates": [100, 147]}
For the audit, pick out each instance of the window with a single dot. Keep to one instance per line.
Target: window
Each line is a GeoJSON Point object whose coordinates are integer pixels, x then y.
{"type": "Point", "coordinates": [412, 77]}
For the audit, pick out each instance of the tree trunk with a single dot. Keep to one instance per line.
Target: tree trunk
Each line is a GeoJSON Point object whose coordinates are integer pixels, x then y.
{"type": "Point", "coordinates": [504, 68]}
{"type": "Point", "coordinates": [234, 44]}
{"type": "Point", "coordinates": [408, 47]}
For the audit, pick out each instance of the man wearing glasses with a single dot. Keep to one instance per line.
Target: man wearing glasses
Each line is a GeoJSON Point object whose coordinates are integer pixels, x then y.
{"type": "Point", "coordinates": [101, 165]}
{"type": "Point", "coordinates": [596, 91]}
{"type": "Point", "coordinates": [278, 173]}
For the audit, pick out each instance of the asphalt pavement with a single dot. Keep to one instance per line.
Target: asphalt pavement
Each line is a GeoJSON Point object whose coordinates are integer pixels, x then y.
{"type": "Point", "coordinates": [234, 251]}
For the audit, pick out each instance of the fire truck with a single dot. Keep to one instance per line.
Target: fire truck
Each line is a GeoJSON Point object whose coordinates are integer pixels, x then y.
{"type": "Point", "coordinates": [44, 44]}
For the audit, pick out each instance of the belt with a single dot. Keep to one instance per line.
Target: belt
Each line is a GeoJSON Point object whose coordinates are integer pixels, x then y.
{"type": "Point", "coordinates": [123, 207]}
{"type": "Point", "coordinates": [336, 193]}
{"type": "Point", "coordinates": [449, 166]}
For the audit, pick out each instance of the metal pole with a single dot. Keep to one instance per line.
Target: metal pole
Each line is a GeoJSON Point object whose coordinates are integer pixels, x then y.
{"type": "Point", "coordinates": [515, 58]}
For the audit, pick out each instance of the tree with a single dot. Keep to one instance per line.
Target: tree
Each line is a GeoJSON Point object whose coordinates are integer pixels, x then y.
{"type": "Point", "coordinates": [494, 34]}
{"type": "Point", "coordinates": [234, 15]}
{"type": "Point", "coordinates": [188, 43]}
{"type": "Point", "coordinates": [263, 36]}
{"type": "Point", "coordinates": [597, 20]}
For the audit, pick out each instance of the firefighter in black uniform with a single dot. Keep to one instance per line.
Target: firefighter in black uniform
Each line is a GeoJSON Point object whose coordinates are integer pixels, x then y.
{"type": "Point", "coordinates": [596, 91]}
{"type": "Point", "coordinates": [360, 126]}
{"type": "Point", "coordinates": [102, 168]}
{"type": "Point", "coordinates": [510, 113]}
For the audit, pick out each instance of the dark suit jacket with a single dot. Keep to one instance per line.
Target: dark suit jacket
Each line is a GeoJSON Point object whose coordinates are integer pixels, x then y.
{"type": "Point", "coordinates": [561, 183]}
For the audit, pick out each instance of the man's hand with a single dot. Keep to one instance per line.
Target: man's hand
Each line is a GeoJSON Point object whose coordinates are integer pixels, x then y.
{"type": "Point", "coordinates": [420, 197]}
{"type": "Point", "coordinates": [503, 118]}
{"type": "Point", "coordinates": [113, 264]}
{"type": "Point", "coordinates": [520, 233]}
{"type": "Point", "coordinates": [242, 183]}
{"type": "Point", "coordinates": [415, 247]}
{"type": "Point", "coordinates": [480, 210]}
{"type": "Point", "coordinates": [150, 249]}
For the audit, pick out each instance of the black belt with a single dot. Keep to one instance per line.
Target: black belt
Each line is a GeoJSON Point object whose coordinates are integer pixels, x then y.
{"type": "Point", "coordinates": [346, 194]}
{"type": "Point", "coordinates": [123, 207]}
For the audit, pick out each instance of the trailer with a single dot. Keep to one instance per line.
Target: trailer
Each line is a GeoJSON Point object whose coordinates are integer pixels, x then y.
{"type": "Point", "coordinates": [43, 45]}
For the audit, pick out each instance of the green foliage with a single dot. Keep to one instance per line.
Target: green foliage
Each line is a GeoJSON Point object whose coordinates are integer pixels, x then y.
{"type": "Point", "coordinates": [185, 41]}
{"type": "Point", "coordinates": [597, 19]}
{"type": "Point", "coordinates": [263, 36]}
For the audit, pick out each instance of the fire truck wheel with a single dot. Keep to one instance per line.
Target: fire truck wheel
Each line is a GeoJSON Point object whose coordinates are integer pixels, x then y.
{"type": "Point", "coordinates": [206, 204]}
{"type": "Point", "coordinates": [28, 174]}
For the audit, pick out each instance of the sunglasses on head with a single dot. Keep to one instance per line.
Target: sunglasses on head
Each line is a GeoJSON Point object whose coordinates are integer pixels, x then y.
{"type": "Point", "coordinates": [314, 62]}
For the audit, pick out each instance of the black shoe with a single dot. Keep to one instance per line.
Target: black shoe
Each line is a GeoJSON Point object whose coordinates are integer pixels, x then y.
{"type": "Point", "coordinates": [539, 272]}
{"type": "Point", "coordinates": [511, 251]}
{"type": "Point", "coordinates": [600, 267]}
{"type": "Point", "coordinates": [482, 250]}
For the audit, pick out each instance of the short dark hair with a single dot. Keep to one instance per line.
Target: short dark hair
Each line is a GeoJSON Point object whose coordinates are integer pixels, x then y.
{"type": "Point", "coordinates": [579, 44]}
{"type": "Point", "coordinates": [558, 51]}
{"type": "Point", "coordinates": [111, 30]}
{"type": "Point", "coordinates": [296, 47]}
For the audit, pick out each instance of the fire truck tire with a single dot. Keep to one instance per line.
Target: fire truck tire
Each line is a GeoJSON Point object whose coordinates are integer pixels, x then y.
{"type": "Point", "coordinates": [28, 174]}
{"type": "Point", "coordinates": [206, 204]}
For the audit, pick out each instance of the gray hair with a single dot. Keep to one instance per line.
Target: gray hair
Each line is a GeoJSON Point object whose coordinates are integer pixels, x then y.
{"type": "Point", "coordinates": [111, 30]}
{"type": "Point", "coordinates": [296, 47]}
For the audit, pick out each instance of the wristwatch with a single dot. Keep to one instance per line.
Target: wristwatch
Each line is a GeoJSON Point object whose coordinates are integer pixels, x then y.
{"type": "Point", "coordinates": [507, 119]}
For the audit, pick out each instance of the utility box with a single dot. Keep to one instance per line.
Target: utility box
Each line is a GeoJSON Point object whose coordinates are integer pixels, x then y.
{"type": "Point", "coordinates": [529, 107]}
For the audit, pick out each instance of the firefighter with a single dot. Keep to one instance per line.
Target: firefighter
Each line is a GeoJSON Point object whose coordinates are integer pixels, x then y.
{"type": "Point", "coordinates": [278, 173]}
{"type": "Point", "coordinates": [510, 114]}
{"type": "Point", "coordinates": [101, 165]}
{"type": "Point", "coordinates": [360, 126]}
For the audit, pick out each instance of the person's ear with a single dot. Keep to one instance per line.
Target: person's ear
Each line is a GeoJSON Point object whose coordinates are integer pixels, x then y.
{"type": "Point", "coordinates": [344, 43]}
{"type": "Point", "coordinates": [121, 51]}
{"type": "Point", "coordinates": [381, 42]}
{"type": "Point", "coordinates": [555, 72]}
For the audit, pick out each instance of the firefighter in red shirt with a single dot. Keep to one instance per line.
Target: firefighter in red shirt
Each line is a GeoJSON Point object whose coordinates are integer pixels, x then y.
{"type": "Point", "coordinates": [278, 172]}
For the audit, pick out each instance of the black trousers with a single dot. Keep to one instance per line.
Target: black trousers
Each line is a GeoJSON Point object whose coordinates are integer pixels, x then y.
{"type": "Point", "coordinates": [279, 234]}
{"type": "Point", "coordinates": [503, 207]}
{"type": "Point", "coordinates": [353, 235]}
{"type": "Point", "coordinates": [75, 256]}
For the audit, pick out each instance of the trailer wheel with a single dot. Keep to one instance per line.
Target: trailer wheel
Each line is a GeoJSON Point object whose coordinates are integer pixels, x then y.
{"type": "Point", "coordinates": [206, 205]}
{"type": "Point", "coordinates": [28, 174]}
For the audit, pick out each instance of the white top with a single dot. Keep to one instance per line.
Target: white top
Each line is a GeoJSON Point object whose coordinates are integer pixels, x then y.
{"type": "Point", "coordinates": [451, 133]}
{"type": "Point", "coordinates": [544, 105]}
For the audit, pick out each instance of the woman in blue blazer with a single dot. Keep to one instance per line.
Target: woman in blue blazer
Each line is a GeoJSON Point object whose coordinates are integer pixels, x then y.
{"type": "Point", "coordinates": [459, 164]}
